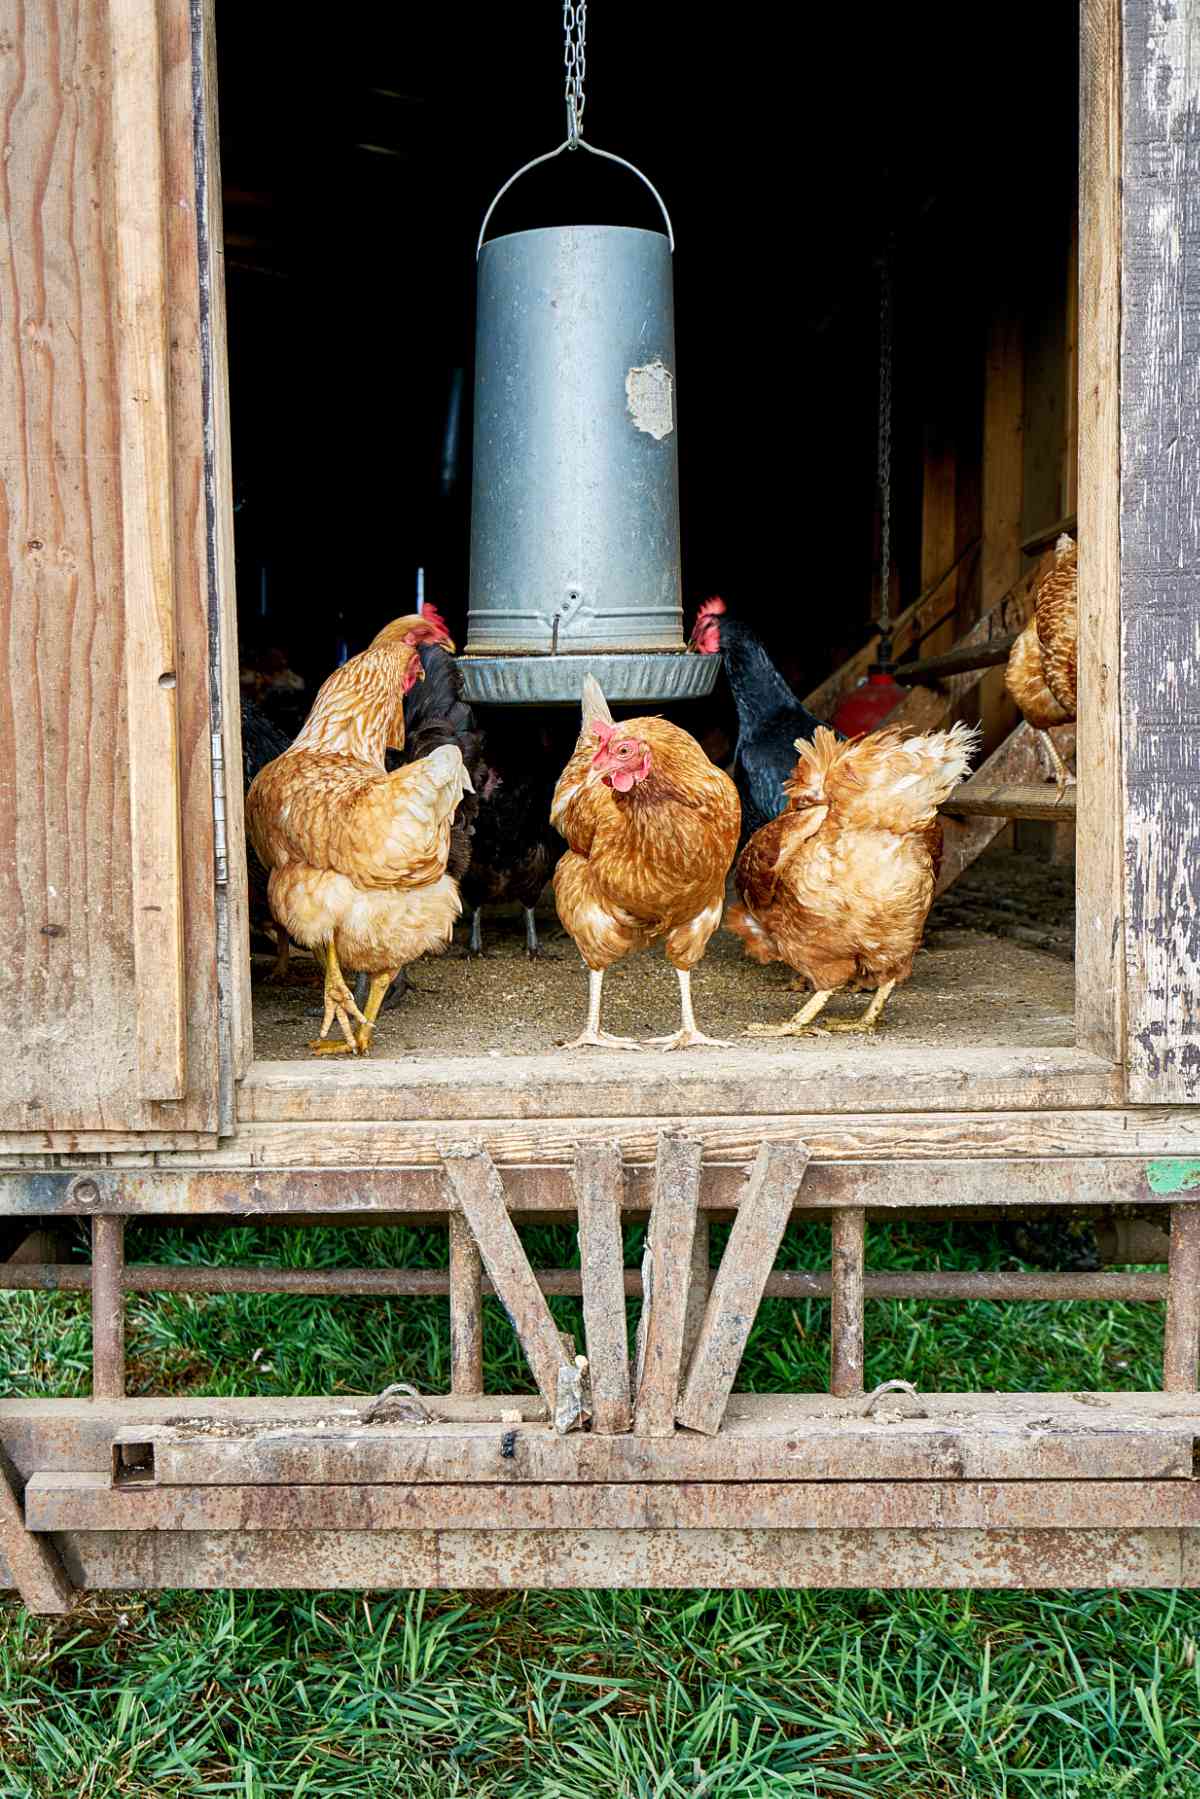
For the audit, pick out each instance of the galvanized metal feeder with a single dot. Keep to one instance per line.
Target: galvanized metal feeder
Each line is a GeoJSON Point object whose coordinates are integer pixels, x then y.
{"type": "Point", "coordinates": [575, 559]}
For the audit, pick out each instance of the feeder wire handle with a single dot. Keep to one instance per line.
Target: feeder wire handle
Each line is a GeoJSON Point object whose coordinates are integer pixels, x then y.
{"type": "Point", "coordinates": [885, 456]}
{"type": "Point", "coordinates": [575, 58]}
{"type": "Point", "coordinates": [575, 64]}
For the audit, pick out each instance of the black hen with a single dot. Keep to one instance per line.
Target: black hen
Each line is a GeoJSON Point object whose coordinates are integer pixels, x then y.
{"type": "Point", "coordinates": [262, 742]}
{"type": "Point", "coordinates": [516, 846]}
{"type": "Point", "coordinates": [509, 848]}
{"type": "Point", "coordinates": [435, 713]}
{"type": "Point", "coordinates": [770, 717]}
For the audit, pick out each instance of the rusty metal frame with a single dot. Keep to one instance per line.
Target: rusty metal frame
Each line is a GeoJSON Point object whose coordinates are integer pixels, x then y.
{"type": "Point", "coordinates": [622, 1505]}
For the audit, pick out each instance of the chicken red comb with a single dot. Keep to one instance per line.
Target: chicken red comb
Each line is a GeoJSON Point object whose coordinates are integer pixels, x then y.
{"type": "Point", "coordinates": [602, 730]}
{"type": "Point", "coordinates": [434, 619]}
{"type": "Point", "coordinates": [711, 608]}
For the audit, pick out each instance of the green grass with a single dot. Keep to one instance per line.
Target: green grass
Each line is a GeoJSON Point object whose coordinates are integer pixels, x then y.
{"type": "Point", "coordinates": [573, 1695]}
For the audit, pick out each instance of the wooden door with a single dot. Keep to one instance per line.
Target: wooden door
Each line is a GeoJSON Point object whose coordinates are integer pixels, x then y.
{"type": "Point", "coordinates": [124, 1005]}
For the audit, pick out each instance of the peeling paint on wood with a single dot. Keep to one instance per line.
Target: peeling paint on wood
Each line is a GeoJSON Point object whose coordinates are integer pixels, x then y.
{"type": "Point", "coordinates": [1160, 546]}
{"type": "Point", "coordinates": [1178, 1176]}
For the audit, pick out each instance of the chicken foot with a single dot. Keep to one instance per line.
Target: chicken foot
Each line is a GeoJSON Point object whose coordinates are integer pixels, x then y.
{"type": "Point", "coordinates": [688, 1036]}
{"type": "Point", "coordinates": [869, 1019]}
{"type": "Point", "coordinates": [1063, 777]}
{"type": "Point", "coordinates": [533, 948]}
{"type": "Point", "coordinates": [339, 1004]}
{"type": "Point", "coordinates": [795, 1027]}
{"type": "Point", "coordinates": [591, 1036]}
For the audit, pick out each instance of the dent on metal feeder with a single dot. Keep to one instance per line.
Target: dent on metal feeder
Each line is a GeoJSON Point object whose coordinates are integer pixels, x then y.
{"type": "Point", "coordinates": [575, 560]}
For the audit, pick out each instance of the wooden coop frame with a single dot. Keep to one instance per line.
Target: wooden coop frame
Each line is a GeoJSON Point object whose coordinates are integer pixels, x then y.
{"type": "Point", "coordinates": [137, 1093]}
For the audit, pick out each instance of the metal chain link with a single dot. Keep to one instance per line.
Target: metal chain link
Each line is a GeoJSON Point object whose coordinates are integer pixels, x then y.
{"type": "Point", "coordinates": [885, 450]}
{"type": "Point", "coordinates": [575, 56]}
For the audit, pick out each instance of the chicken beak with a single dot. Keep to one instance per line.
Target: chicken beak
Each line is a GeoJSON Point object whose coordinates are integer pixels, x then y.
{"type": "Point", "coordinates": [468, 783]}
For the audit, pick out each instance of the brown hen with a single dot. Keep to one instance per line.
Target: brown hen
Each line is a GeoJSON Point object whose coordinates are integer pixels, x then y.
{"type": "Point", "coordinates": [358, 856]}
{"type": "Point", "coordinates": [839, 886]}
{"type": "Point", "coordinates": [652, 827]}
{"type": "Point", "coordinates": [1041, 672]}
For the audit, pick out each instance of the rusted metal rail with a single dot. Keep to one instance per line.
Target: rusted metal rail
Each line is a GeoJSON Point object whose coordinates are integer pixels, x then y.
{"type": "Point", "coordinates": [414, 1283]}
{"type": "Point", "coordinates": [345, 1499]}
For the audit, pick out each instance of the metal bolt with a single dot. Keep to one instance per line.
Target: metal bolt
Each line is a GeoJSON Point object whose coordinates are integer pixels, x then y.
{"type": "Point", "coordinates": [85, 1192]}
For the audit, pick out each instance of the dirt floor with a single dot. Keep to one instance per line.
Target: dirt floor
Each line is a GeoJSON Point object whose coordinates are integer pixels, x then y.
{"type": "Point", "coordinates": [995, 969]}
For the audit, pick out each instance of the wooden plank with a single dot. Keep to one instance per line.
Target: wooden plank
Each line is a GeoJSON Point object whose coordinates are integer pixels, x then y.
{"type": "Point", "coordinates": [666, 1278]}
{"type": "Point", "coordinates": [68, 1501]}
{"type": "Point", "coordinates": [750, 1081]}
{"type": "Point", "coordinates": [1099, 873]}
{"type": "Point", "coordinates": [699, 1286]}
{"type": "Point", "coordinates": [1003, 448]}
{"type": "Point", "coordinates": [33, 1564]}
{"type": "Point", "coordinates": [605, 1559]}
{"type": "Point", "coordinates": [479, 1192]}
{"type": "Point", "coordinates": [466, 1309]}
{"type": "Point", "coordinates": [201, 852]}
{"type": "Point", "coordinates": [846, 1320]}
{"type": "Point", "coordinates": [598, 1180]}
{"type": "Point", "coordinates": [1020, 759]}
{"type": "Point", "coordinates": [148, 539]}
{"type": "Point", "coordinates": [905, 1136]}
{"type": "Point", "coordinates": [1011, 799]}
{"type": "Point", "coordinates": [65, 921]}
{"type": "Point", "coordinates": [233, 897]}
{"type": "Point", "coordinates": [777, 1437]}
{"type": "Point", "coordinates": [939, 487]}
{"type": "Point", "coordinates": [762, 1217]}
{"type": "Point", "coordinates": [1070, 453]}
{"type": "Point", "coordinates": [1160, 548]}
{"type": "Point", "coordinates": [1181, 1340]}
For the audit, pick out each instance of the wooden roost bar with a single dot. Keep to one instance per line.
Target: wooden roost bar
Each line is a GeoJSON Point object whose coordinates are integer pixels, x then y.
{"type": "Point", "coordinates": [136, 1091]}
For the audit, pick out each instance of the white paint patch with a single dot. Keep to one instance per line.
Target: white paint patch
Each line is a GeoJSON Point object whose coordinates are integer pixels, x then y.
{"type": "Point", "coordinates": [651, 397]}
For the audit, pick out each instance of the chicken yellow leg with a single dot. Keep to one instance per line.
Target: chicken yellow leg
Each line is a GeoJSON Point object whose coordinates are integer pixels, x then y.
{"type": "Point", "coordinates": [339, 1004]}
{"type": "Point", "coordinates": [869, 1019]}
{"type": "Point", "coordinates": [379, 986]}
{"type": "Point", "coordinates": [795, 1027]}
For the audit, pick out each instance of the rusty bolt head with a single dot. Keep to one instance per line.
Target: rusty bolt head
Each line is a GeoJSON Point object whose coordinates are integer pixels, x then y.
{"type": "Point", "coordinates": [85, 1192]}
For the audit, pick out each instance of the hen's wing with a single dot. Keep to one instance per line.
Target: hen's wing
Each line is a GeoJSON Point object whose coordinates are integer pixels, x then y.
{"type": "Point", "coordinates": [766, 859]}
{"type": "Point", "coordinates": [333, 813]}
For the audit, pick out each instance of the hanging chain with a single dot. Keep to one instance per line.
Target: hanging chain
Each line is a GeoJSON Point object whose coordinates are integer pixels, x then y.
{"type": "Point", "coordinates": [575, 35]}
{"type": "Point", "coordinates": [885, 454]}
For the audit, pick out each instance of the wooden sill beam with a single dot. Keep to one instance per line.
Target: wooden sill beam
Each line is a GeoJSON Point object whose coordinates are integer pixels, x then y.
{"type": "Point", "coordinates": [1050, 804]}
